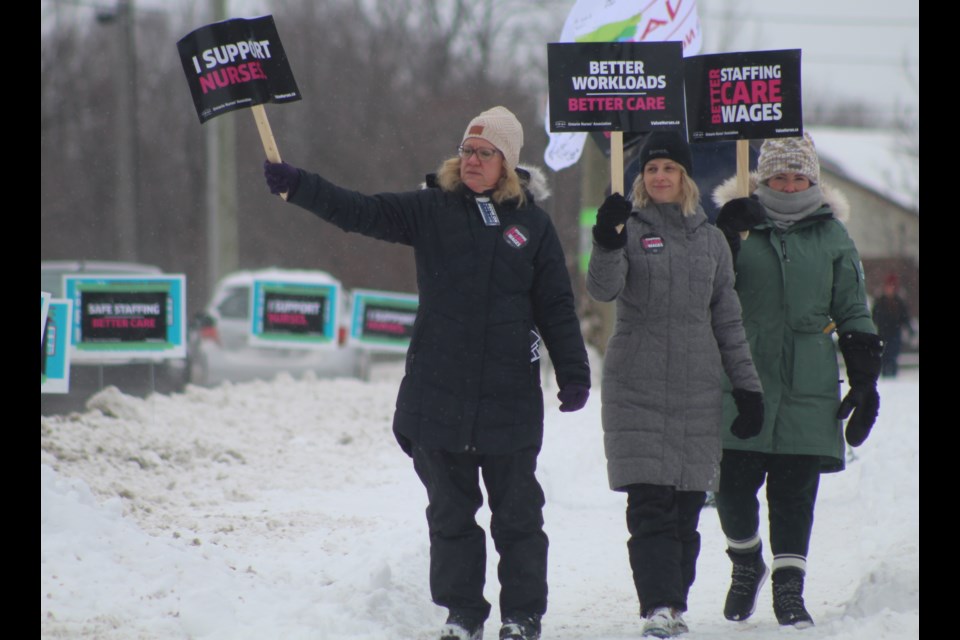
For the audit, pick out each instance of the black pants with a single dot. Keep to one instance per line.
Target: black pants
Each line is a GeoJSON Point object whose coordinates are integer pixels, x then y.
{"type": "Point", "coordinates": [664, 543]}
{"type": "Point", "coordinates": [458, 544]}
{"type": "Point", "coordinates": [891, 351]}
{"type": "Point", "coordinates": [792, 483]}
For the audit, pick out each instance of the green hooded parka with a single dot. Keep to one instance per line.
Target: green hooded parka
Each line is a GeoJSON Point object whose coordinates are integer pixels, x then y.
{"type": "Point", "coordinates": [797, 287]}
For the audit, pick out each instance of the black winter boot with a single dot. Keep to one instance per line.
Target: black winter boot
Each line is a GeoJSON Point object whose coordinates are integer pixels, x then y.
{"type": "Point", "coordinates": [749, 574]}
{"type": "Point", "coordinates": [520, 628]}
{"type": "Point", "coordinates": [788, 598]}
{"type": "Point", "coordinates": [461, 627]}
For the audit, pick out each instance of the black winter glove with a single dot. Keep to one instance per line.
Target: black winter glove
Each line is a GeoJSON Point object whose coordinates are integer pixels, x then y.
{"type": "Point", "coordinates": [281, 177]}
{"type": "Point", "coordinates": [749, 420]}
{"type": "Point", "coordinates": [861, 353]}
{"type": "Point", "coordinates": [739, 214]}
{"type": "Point", "coordinates": [612, 213]}
{"type": "Point", "coordinates": [573, 396]}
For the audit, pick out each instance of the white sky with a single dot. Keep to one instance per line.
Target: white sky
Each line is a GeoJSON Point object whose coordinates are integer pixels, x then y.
{"type": "Point", "coordinates": [866, 50]}
{"type": "Point", "coordinates": [854, 49]}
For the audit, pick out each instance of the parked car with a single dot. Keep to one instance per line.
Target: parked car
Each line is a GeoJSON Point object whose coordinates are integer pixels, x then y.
{"type": "Point", "coordinates": [87, 378]}
{"type": "Point", "coordinates": [52, 271]}
{"type": "Point", "coordinates": [220, 346]}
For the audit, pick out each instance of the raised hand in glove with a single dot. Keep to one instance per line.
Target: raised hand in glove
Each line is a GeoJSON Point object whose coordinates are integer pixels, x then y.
{"type": "Point", "coordinates": [610, 232]}
{"type": "Point", "coordinates": [281, 177]}
{"type": "Point", "coordinates": [749, 420]}
{"type": "Point", "coordinates": [737, 216]}
{"type": "Point", "coordinates": [861, 353]}
{"type": "Point", "coordinates": [573, 396]}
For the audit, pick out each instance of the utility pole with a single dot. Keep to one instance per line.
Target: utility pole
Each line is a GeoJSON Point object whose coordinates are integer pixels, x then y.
{"type": "Point", "coordinates": [125, 132]}
{"type": "Point", "coordinates": [223, 250]}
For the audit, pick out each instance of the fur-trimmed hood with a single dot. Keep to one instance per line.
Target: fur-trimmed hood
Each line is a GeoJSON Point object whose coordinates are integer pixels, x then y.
{"type": "Point", "coordinates": [832, 197]}
{"type": "Point", "coordinates": [532, 179]}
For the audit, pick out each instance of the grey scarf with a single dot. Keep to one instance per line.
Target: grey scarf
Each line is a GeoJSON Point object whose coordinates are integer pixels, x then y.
{"type": "Point", "coordinates": [785, 209]}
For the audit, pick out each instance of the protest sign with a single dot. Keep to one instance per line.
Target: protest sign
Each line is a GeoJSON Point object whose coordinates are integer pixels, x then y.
{"type": "Point", "coordinates": [383, 320]}
{"type": "Point", "coordinates": [236, 64]}
{"type": "Point", "coordinates": [620, 21]}
{"type": "Point", "coordinates": [127, 318]}
{"type": "Point", "coordinates": [55, 348]}
{"type": "Point", "coordinates": [616, 87]}
{"type": "Point", "coordinates": [295, 313]}
{"type": "Point", "coordinates": [739, 96]}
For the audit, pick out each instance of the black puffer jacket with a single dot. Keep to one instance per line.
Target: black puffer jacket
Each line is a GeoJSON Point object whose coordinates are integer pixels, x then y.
{"type": "Point", "coordinates": [472, 381]}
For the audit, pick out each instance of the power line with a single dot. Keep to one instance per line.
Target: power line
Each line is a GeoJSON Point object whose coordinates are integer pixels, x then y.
{"type": "Point", "coordinates": [903, 22]}
{"type": "Point", "coordinates": [847, 59]}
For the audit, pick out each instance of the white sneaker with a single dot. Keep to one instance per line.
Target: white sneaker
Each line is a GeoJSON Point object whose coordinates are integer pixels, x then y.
{"type": "Point", "coordinates": [680, 622]}
{"type": "Point", "coordinates": [664, 622]}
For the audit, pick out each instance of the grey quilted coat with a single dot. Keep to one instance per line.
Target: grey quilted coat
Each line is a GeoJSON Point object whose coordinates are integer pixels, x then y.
{"type": "Point", "coordinates": [678, 330]}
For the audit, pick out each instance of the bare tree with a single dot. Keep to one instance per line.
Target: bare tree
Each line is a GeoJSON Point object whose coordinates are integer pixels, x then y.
{"type": "Point", "coordinates": [907, 127]}
{"type": "Point", "coordinates": [387, 87]}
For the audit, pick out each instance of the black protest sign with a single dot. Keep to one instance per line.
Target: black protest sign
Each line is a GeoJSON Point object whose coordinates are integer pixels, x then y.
{"type": "Point", "coordinates": [300, 312]}
{"type": "Point", "coordinates": [739, 96]}
{"type": "Point", "coordinates": [124, 316]}
{"type": "Point", "coordinates": [616, 86]}
{"type": "Point", "coordinates": [383, 320]}
{"type": "Point", "coordinates": [386, 321]}
{"type": "Point", "coordinates": [236, 64]}
{"type": "Point", "coordinates": [294, 313]}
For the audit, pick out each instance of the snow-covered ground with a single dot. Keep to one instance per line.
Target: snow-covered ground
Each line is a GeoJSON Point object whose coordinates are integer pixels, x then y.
{"type": "Point", "coordinates": [286, 510]}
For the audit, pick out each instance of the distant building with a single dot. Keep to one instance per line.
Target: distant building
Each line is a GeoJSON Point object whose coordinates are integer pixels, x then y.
{"type": "Point", "coordinates": [883, 188]}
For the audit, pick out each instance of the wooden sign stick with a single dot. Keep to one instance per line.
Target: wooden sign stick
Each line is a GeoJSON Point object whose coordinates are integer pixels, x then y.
{"type": "Point", "coordinates": [743, 174]}
{"type": "Point", "coordinates": [266, 136]}
{"type": "Point", "coordinates": [616, 166]}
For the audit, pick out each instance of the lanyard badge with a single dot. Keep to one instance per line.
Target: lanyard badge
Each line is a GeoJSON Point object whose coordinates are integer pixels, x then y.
{"type": "Point", "coordinates": [488, 212]}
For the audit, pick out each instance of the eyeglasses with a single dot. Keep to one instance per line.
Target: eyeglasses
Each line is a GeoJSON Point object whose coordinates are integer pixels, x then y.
{"type": "Point", "coordinates": [483, 153]}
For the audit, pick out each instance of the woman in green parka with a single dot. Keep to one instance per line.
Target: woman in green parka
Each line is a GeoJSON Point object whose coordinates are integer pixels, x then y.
{"type": "Point", "coordinates": [799, 278]}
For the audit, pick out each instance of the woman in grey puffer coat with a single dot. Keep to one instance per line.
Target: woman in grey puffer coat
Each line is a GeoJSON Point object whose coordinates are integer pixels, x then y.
{"type": "Point", "coordinates": [678, 330]}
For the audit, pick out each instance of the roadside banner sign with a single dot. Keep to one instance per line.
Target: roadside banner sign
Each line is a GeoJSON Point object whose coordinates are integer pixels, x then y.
{"type": "Point", "coordinates": [383, 320]}
{"type": "Point", "coordinates": [127, 318]}
{"type": "Point", "coordinates": [44, 307]}
{"type": "Point", "coordinates": [297, 313]}
{"type": "Point", "coordinates": [55, 348]}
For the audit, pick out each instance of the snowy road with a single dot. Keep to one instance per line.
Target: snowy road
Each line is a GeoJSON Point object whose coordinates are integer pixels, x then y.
{"type": "Point", "coordinates": [286, 510]}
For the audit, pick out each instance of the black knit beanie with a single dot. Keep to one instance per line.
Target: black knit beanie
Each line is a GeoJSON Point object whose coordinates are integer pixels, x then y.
{"type": "Point", "coordinates": [666, 144]}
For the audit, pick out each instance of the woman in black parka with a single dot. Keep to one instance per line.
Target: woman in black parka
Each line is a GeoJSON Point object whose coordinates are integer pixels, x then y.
{"type": "Point", "coordinates": [493, 282]}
